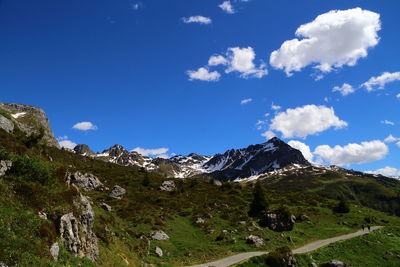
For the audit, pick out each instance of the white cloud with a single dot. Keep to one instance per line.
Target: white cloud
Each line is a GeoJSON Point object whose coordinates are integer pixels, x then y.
{"type": "Point", "coordinates": [242, 61]}
{"type": "Point", "coordinates": [151, 152]}
{"type": "Point", "coordinates": [332, 40]}
{"type": "Point", "coordinates": [227, 7]}
{"type": "Point", "coordinates": [65, 143]}
{"type": "Point", "coordinates": [345, 89]}
{"type": "Point", "coordinates": [306, 120]}
{"type": "Point", "coordinates": [163, 156]}
{"type": "Point", "coordinates": [268, 134]}
{"type": "Point", "coordinates": [398, 144]}
{"type": "Point", "coordinates": [391, 139]}
{"type": "Point", "coordinates": [203, 74]}
{"type": "Point", "coordinates": [137, 6]}
{"type": "Point", "coordinates": [217, 60]}
{"type": "Point", "coordinates": [398, 96]}
{"type": "Point", "coordinates": [245, 101]}
{"type": "Point", "coordinates": [375, 83]}
{"type": "Point", "coordinates": [85, 126]}
{"type": "Point", "coordinates": [197, 19]}
{"type": "Point", "coordinates": [353, 153]}
{"type": "Point", "coordinates": [275, 107]}
{"type": "Point", "coordinates": [386, 171]}
{"type": "Point", "coordinates": [305, 149]}
{"type": "Point", "coordinates": [387, 122]}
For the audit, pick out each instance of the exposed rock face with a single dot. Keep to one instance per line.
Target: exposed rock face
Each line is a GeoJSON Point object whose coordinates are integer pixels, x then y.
{"type": "Point", "coordinates": [6, 124]}
{"type": "Point", "coordinates": [159, 235]}
{"type": "Point", "coordinates": [55, 251]}
{"type": "Point", "coordinates": [255, 240]}
{"type": "Point", "coordinates": [5, 165]}
{"type": "Point", "coordinates": [31, 120]}
{"type": "Point", "coordinates": [117, 192]}
{"type": "Point", "coordinates": [277, 221]}
{"type": "Point", "coordinates": [85, 181]}
{"type": "Point", "coordinates": [159, 252]}
{"type": "Point", "coordinates": [77, 234]}
{"type": "Point", "coordinates": [200, 221]}
{"type": "Point", "coordinates": [168, 186]}
{"type": "Point", "coordinates": [335, 263]}
{"type": "Point", "coordinates": [83, 149]}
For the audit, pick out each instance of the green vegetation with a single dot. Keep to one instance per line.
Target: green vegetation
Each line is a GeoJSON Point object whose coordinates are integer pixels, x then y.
{"type": "Point", "coordinates": [36, 183]}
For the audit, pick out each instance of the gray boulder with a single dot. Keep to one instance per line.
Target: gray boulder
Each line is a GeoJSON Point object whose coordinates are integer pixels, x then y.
{"type": "Point", "coordinates": [168, 186]}
{"type": "Point", "coordinates": [105, 206]}
{"type": "Point", "coordinates": [6, 124]}
{"type": "Point", "coordinates": [117, 192]}
{"type": "Point", "coordinates": [217, 182]}
{"type": "Point", "coordinates": [5, 165]}
{"type": "Point", "coordinates": [69, 231]}
{"type": "Point", "coordinates": [200, 221]}
{"type": "Point", "coordinates": [159, 252]}
{"type": "Point", "coordinates": [2, 264]}
{"type": "Point", "coordinates": [255, 240]}
{"type": "Point", "coordinates": [278, 221]}
{"type": "Point", "coordinates": [55, 251]}
{"type": "Point", "coordinates": [159, 235]}
{"type": "Point", "coordinates": [86, 181]}
{"type": "Point", "coordinates": [335, 263]}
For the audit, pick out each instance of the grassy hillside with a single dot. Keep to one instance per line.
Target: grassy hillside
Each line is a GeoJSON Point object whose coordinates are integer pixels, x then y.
{"type": "Point", "coordinates": [37, 183]}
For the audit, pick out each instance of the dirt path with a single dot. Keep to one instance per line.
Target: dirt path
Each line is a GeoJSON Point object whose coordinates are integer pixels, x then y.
{"type": "Point", "coordinates": [228, 261]}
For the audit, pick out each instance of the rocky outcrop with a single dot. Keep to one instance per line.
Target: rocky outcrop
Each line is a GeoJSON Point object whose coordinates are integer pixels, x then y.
{"type": "Point", "coordinates": [86, 181]}
{"type": "Point", "coordinates": [83, 149]}
{"type": "Point", "coordinates": [5, 165]}
{"type": "Point", "coordinates": [55, 251]}
{"type": "Point", "coordinates": [117, 192]}
{"type": "Point", "coordinates": [77, 233]}
{"type": "Point", "coordinates": [255, 240]}
{"type": "Point", "coordinates": [279, 220]}
{"type": "Point", "coordinates": [31, 121]}
{"type": "Point", "coordinates": [105, 207]}
{"type": "Point", "coordinates": [159, 235]}
{"type": "Point", "coordinates": [6, 124]}
{"type": "Point", "coordinates": [168, 186]}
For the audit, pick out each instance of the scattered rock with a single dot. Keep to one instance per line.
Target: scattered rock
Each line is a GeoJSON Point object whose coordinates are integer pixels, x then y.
{"type": "Point", "coordinates": [217, 182]}
{"type": "Point", "coordinates": [42, 215]}
{"type": "Point", "coordinates": [54, 251]}
{"type": "Point", "coordinates": [2, 264]}
{"type": "Point", "coordinates": [87, 181]}
{"type": "Point", "coordinates": [117, 192]}
{"type": "Point", "coordinates": [255, 240]}
{"type": "Point", "coordinates": [6, 124]}
{"type": "Point", "coordinates": [304, 218]}
{"type": "Point", "coordinates": [5, 165]}
{"type": "Point", "coordinates": [242, 222]}
{"type": "Point", "coordinates": [168, 186]}
{"type": "Point", "coordinates": [278, 221]}
{"type": "Point", "coordinates": [105, 206]}
{"type": "Point", "coordinates": [200, 221]}
{"type": "Point", "coordinates": [314, 264]}
{"type": "Point", "coordinates": [335, 263]}
{"type": "Point", "coordinates": [159, 235]}
{"type": "Point", "coordinates": [159, 252]}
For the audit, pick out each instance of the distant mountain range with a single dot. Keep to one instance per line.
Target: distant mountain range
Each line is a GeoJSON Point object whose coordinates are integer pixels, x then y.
{"type": "Point", "coordinates": [232, 165]}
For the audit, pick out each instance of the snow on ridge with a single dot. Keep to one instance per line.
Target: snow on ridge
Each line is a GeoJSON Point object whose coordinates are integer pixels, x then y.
{"type": "Point", "coordinates": [18, 115]}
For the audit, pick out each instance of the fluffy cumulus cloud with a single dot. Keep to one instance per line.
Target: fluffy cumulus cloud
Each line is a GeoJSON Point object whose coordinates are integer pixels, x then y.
{"type": "Point", "coordinates": [217, 60]}
{"type": "Point", "coordinates": [242, 60]}
{"type": "Point", "coordinates": [387, 171]}
{"type": "Point", "coordinates": [85, 126]}
{"type": "Point", "coordinates": [353, 153]}
{"type": "Point", "coordinates": [332, 40]}
{"type": "Point", "coordinates": [398, 96]}
{"type": "Point", "coordinates": [306, 120]}
{"type": "Point", "coordinates": [65, 143]}
{"type": "Point", "coordinates": [268, 134]}
{"type": "Point", "coordinates": [391, 139]}
{"type": "Point", "coordinates": [275, 107]}
{"type": "Point", "coordinates": [345, 89]}
{"type": "Point", "coordinates": [304, 149]}
{"type": "Point", "coordinates": [197, 19]}
{"type": "Point", "coordinates": [227, 7]}
{"type": "Point", "coordinates": [203, 74]}
{"type": "Point", "coordinates": [379, 82]}
{"type": "Point", "coordinates": [137, 6]}
{"type": "Point", "coordinates": [387, 122]}
{"type": "Point", "coordinates": [160, 152]}
{"type": "Point", "coordinates": [246, 101]}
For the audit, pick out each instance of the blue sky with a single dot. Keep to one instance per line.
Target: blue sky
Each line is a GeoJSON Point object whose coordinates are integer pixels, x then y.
{"type": "Point", "coordinates": [124, 66]}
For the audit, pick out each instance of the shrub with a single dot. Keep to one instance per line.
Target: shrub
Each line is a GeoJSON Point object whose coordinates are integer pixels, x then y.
{"type": "Point", "coordinates": [31, 169]}
{"type": "Point", "coordinates": [281, 257]}
{"type": "Point", "coordinates": [259, 203]}
{"type": "Point", "coordinates": [342, 207]}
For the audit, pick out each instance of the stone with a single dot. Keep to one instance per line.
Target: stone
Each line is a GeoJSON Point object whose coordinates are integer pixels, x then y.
{"type": "Point", "coordinates": [168, 186]}
{"type": "Point", "coordinates": [335, 263]}
{"type": "Point", "coordinates": [83, 149]}
{"type": "Point", "coordinates": [314, 264]}
{"type": "Point", "coordinates": [304, 218]}
{"type": "Point", "coordinates": [2, 264]}
{"type": "Point", "coordinates": [200, 221]}
{"type": "Point", "coordinates": [278, 221]}
{"type": "Point", "coordinates": [159, 236]}
{"type": "Point", "coordinates": [42, 215]}
{"type": "Point", "coordinates": [117, 192]}
{"type": "Point", "coordinates": [5, 165]}
{"type": "Point", "coordinates": [159, 252]}
{"type": "Point", "coordinates": [6, 124]}
{"type": "Point", "coordinates": [86, 181]}
{"type": "Point", "coordinates": [217, 182]}
{"type": "Point", "coordinates": [255, 240]}
{"type": "Point", "coordinates": [69, 231]}
{"type": "Point", "coordinates": [55, 251]}
{"type": "Point", "coordinates": [242, 222]}
{"type": "Point", "coordinates": [105, 206]}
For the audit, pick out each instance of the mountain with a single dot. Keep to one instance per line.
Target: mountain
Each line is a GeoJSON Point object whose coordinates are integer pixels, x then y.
{"type": "Point", "coordinates": [234, 164]}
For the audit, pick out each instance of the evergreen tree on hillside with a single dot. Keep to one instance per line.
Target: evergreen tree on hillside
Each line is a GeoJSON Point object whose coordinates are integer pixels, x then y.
{"type": "Point", "coordinates": [259, 203]}
{"type": "Point", "coordinates": [343, 206]}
